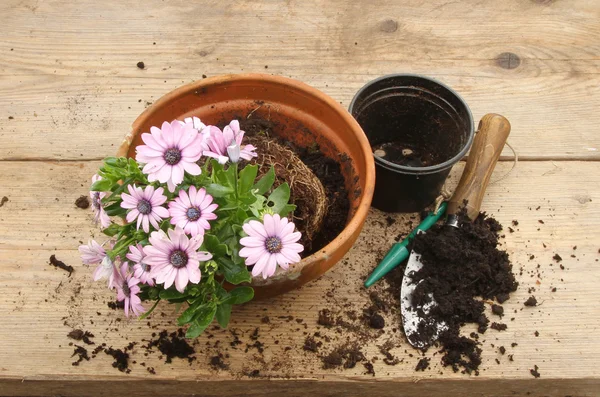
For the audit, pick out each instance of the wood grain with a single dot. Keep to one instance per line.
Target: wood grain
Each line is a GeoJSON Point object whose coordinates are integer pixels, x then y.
{"type": "Point", "coordinates": [74, 87]}
{"type": "Point", "coordinates": [40, 304]}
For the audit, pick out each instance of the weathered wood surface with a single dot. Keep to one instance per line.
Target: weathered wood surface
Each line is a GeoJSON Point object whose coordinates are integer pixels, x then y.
{"type": "Point", "coordinates": [70, 89]}
{"type": "Point", "coordinates": [71, 83]}
{"type": "Point", "coordinates": [39, 305]}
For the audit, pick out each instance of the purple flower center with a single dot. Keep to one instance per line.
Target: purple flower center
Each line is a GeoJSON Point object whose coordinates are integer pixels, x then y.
{"type": "Point", "coordinates": [178, 259]}
{"type": "Point", "coordinates": [193, 214]}
{"type": "Point", "coordinates": [144, 207]}
{"type": "Point", "coordinates": [126, 289]}
{"type": "Point", "coordinates": [273, 245]}
{"type": "Point", "coordinates": [96, 200]}
{"type": "Point", "coordinates": [145, 267]}
{"type": "Point", "coordinates": [172, 156]}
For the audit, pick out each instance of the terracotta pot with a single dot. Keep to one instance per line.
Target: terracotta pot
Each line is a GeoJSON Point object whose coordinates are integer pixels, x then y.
{"type": "Point", "coordinates": [300, 114]}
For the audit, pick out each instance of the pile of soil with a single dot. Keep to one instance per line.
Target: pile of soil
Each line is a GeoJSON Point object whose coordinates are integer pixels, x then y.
{"type": "Point", "coordinates": [462, 266]}
{"type": "Point", "coordinates": [327, 170]}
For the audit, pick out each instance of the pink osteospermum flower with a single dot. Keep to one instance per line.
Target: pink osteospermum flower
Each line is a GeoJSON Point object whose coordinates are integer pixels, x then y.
{"type": "Point", "coordinates": [99, 214]}
{"type": "Point", "coordinates": [94, 254]}
{"type": "Point", "coordinates": [175, 258]}
{"type": "Point", "coordinates": [269, 244]}
{"type": "Point", "coordinates": [145, 205]}
{"type": "Point", "coordinates": [170, 151]}
{"type": "Point", "coordinates": [128, 290]}
{"type": "Point", "coordinates": [192, 210]}
{"type": "Point", "coordinates": [226, 145]}
{"type": "Point", "coordinates": [141, 270]}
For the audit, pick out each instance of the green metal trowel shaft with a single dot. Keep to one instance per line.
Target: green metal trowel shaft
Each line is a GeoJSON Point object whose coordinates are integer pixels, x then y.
{"type": "Point", "coordinates": [399, 251]}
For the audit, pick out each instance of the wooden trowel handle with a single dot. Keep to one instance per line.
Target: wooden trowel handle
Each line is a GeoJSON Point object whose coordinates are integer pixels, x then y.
{"type": "Point", "coordinates": [487, 146]}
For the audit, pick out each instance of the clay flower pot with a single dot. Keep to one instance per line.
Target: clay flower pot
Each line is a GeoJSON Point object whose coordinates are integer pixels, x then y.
{"type": "Point", "coordinates": [300, 114]}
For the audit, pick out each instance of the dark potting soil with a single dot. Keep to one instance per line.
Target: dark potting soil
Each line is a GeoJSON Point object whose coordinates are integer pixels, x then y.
{"type": "Point", "coordinates": [423, 364]}
{"type": "Point", "coordinates": [326, 169]}
{"type": "Point", "coordinates": [82, 202]}
{"type": "Point", "coordinates": [121, 359]}
{"type": "Point", "coordinates": [218, 362]}
{"type": "Point", "coordinates": [4, 200]}
{"type": "Point", "coordinates": [459, 266]}
{"type": "Point", "coordinates": [116, 305]}
{"type": "Point", "coordinates": [531, 301]}
{"type": "Point", "coordinates": [173, 345]}
{"type": "Point", "coordinates": [81, 353]}
{"type": "Point", "coordinates": [60, 265]}
{"type": "Point", "coordinates": [347, 356]}
{"type": "Point", "coordinates": [84, 336]}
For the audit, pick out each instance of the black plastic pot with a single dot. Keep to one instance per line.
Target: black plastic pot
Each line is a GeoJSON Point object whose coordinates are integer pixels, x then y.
{"type": "Point", "coordinates": [418, 129]}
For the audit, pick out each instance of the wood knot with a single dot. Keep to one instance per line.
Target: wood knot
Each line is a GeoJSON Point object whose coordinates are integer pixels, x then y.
{"type": "Point", "coordinates": [508, 60]}
{"type": "Point", "coordinates": [388, 26]}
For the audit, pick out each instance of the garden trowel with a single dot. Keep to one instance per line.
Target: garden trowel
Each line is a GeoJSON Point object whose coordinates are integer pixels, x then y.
{"type": "Point", "coordinates": [420, 327]}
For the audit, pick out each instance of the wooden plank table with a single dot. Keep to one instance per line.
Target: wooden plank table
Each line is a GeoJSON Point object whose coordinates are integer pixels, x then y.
{"type": "Point", "coordinates": [70, 88]}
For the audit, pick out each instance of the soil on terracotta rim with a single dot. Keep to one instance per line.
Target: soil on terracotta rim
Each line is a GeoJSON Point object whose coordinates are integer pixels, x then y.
{"type": "Point", "coordinates": [327, 170]}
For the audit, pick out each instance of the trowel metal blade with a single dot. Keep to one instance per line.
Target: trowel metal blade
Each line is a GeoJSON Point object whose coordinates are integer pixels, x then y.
{"type": "Point", "coordinates": [420, 329]}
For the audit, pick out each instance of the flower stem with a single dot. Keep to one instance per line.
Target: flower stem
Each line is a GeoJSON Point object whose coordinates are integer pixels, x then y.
{"type": "Point", "coordinates": [235, 172]}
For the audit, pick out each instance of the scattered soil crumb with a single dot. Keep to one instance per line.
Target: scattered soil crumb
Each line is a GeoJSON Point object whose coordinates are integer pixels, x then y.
{"type": "Point", "coordinates": [497, 310]}
{"type": "Point", "coordinates": [423, 364]}
{"type": "Point", "coordinates": [121, 359]}
{"type": "Point", "coordinates": [60, 264]}
{"type": "Point", "coordinates": [78, 334]}
{"type": "Point", "coordinates": [502, 350]}
{"type": "Point", "coordinates": [83, 202]}
{"type": "Point", "coordinates": [376, 321]}
{"type": "Point", "coordinates": [81, 353]}
{"type": "Point", "coordinates": [217, 362]}
{"type": "Point", "coordinates": [141, 65]}
{"type": "Point", "coordinates": [326, 318]}
{"type": "Point", "coordinates": [173, 345]}
{"type": "Point", "coordinates": [116, 305]}
{"type": "Point", "coordinates": [311, 345]}
{"type": "Point", "coordinates": [370, 369]}
{"type": "Point", "coordinates": [499, 326]}
{"type": "Point", "coordinates": [4, 200]}
{"type": "Point", "coordinates": [347, 355]}
{"type": "Point", "coordinates": [535, 371]}
{"type": "Point", "coordinates": [531, 301]}
{"type": "Point", "coordinates": [557, 257]}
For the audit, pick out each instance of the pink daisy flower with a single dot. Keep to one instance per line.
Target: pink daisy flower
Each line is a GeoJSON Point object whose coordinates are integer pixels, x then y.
{"type": "Point", "coordinates": [169, 151]}
{"type": "Point", "coordinates": [94, 254]}
{"type": "Point", "coordinates": [192, 210]}
{"type": "Point", "coordinates": [175, 258]}
{"type": "Point", "coordinates": [127, 290]}
{"type": "Point", "coordinates": [269, 244]}
{"type": "Point", "coordinates": [195, 122]}
{"type": "Point", "coordinates": [145, 205]}
{"type": "Point", "coordinates": [226, 145]}
{"type": "Point", "coordinates": [99, 214]}
{"type": "Point", "coordinates": [141, 270]}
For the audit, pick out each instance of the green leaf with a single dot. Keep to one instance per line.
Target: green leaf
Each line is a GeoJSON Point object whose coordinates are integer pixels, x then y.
{"type": "Point", "coordinates": [202, 320]}
{"type": "Point", "coordinates": [279, 198]}
{"type": "Point", "coordinates": [214, 246]}
{"type": "Point", "coordinates": [247, 176]}
{"type": "Point", "coordinates": [287, 209]}
{"type": "Point", "coordinates": [146, 314]}
{"type": "Point", "coordinates": [112, 230]}
{"type": "Point", "coordinates": [223, 314]}
{"type": "Point", "coordinates": [102, 185]}
{"type": "Point", "coordinates": [266, 182]}
{"type": "Point", "coordinates": [216, 190]}
{"type": "Point", "coordinates": [234, 273]}
{"type": "Point", "coordinates": [115, 209]}
{"type": "Point", "coordinates": [189, 313]}
{"type": "Point", "coordinates": [170, 294]}
{"type": "Point", "coordinates": [112, 161]}
{"type": "Point", "coordinates": [241, 295]}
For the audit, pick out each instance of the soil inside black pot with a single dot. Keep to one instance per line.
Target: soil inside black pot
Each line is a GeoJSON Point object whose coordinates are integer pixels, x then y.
{"type": "Point", "coordinates": [327, 170]}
